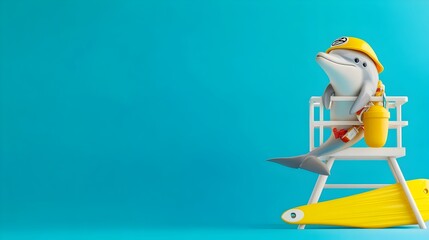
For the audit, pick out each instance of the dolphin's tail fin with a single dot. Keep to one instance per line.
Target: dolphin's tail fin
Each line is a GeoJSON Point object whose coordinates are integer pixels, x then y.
{"type": "Point", "coordinates": [307, 162]}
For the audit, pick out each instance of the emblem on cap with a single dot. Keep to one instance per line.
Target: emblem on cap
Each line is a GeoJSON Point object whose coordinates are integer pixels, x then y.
{"type": "Point", "coordinates": [339, 41]}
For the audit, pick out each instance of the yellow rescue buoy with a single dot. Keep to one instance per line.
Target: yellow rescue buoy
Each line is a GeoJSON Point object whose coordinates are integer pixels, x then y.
{"type": "Point", "coordinates": [380, 208]}
{"type": "Point", "coordinates": [376, 124]}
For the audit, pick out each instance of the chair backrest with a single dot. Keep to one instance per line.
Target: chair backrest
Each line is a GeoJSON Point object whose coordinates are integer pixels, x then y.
{"type": "Point", "coordinates": [391, 103]}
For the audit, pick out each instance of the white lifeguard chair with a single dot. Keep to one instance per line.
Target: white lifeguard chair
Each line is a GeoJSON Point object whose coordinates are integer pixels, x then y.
{"type": "Point", "coordinates": [390, 154]}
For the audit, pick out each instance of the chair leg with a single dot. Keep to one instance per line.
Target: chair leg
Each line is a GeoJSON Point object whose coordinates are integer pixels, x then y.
{"type": "Point", "coordinates": [398, 173]}
{"type": "Point", "coordinates": [318, 187]}
{"type": "Point", "coordinates": [393, 171]}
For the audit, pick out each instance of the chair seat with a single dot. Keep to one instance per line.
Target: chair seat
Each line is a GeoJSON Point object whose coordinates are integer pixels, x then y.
{"type": "Point", "coordinates": [366, 153]}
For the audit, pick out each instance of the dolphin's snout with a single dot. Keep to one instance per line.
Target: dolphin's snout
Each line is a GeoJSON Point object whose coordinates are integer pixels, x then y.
{"type": "Point", "coordinates": [322, 54]}
{"type": "Point", "coordinates": [331, 58]}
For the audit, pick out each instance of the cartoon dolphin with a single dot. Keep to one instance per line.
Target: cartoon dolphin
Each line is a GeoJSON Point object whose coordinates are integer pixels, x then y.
{"type": "Point", "coordinates": [352, 68]}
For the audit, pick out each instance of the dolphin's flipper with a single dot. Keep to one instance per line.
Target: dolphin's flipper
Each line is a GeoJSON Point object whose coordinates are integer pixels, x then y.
{"type": "Point", "coordinates": [307, 162]}
{"type": "Point", "coordinates": [326, 98]}
{"type": "Point", "coordinates": [363, 98]}
{"type": "Point", "coordinates": [292, 162]}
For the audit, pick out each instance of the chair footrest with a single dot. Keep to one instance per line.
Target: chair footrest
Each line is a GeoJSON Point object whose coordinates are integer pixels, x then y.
{"type": "Point", "coordinates": [355, 185]}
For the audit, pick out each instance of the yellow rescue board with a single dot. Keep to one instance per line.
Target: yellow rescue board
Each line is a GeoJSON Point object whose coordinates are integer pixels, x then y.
{"type": "Point", "coordinates": [380, 208]}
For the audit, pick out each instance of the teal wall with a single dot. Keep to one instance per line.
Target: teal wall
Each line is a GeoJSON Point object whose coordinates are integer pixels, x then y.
{"type": "Point", "coordinates": [162, 113]}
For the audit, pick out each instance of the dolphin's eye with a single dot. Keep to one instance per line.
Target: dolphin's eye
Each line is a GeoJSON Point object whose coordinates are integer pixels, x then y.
{"type": "Point", "coordinates": [356, 60]}
{"type": "Point", "coordinates": [364, 64]}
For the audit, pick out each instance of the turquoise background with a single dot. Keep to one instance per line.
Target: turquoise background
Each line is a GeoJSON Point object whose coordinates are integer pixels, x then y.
{"type": "Point", "coordinates": [159, 115]}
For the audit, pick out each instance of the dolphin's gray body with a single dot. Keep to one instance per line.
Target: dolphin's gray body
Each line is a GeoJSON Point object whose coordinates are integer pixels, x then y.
{"type": "Point", "coordinates": [351, 73]}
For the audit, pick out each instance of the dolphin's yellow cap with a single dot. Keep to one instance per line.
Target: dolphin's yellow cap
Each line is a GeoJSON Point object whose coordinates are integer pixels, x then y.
{"type": "Point", "coordinates": [356, 44]}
